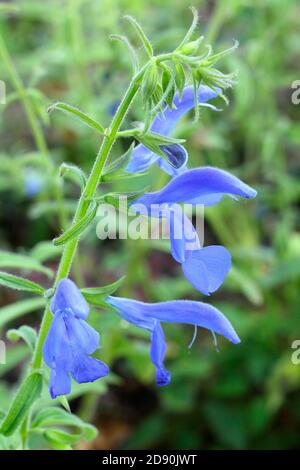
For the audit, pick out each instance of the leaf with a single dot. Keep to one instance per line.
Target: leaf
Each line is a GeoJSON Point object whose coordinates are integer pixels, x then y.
{"type": "Point", "coordinates": [18, 309]}
{"type": "Point", "coordinates": [19, 283]}
{"type": "Point", "coordinates": [67, 108]}
{"type": "Point", "coordinates": [180, 78]}
{"type": "Point", "coordinates": [14, 260]}
{"type": "Point", "coordinates": [75, 230]}
{"type": "Point", "coordinates": [122, 176]}
{"type": "Point", "coordinates": [54, 416]}
{"type": "Point", "coordinates": [115, 198]}
{"type": "Point", "coordinates": [13, 357]}
{"type": "Point", "coordinates": [133, 56]}
{"type": "Point", "coordinates": [49, 207]}
{"type": "Point", "coordinates": [44, 251]}
{"type": "Point", "coordinates": [27, 394]}
{"type": "Point", "coordinates": [119, 162]}
{"type": "Point", "coordinates": [95, 294]}
{"type": "Point", "coordinates": [145, 41]}
{"type": "Point", "coordinates": [74, 173]}
{"type": "Point", "coordinates": [26, 333]}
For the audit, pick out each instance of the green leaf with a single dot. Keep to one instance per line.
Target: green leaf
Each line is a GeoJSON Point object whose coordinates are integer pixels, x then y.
{"type": "Point", "coordinates": [154, 141]}
{"type": "Point", "coordinates": [114, 198]}
{"type": "Point", "coordinates": [133, 56]}
{"type": "Point", "coordinates": [60, 440]}
{"type": "Point", "coordinates": [16, 261]}
{"type": "Point", "coordinates": [95, 294]}
{"type": "Point", "coordinates": [150, 81]}
{"type": "Point", "coordinates": [76, 230]}
{"type": "Point", "coordinates": [67, 108]}
{"type": "Point", "coordinates": [122, 176]}
{"type": "Point", "coordinates": [14, 357]}
{"type": "Point", "coordinates": [26, 333]}
{"type": "Point", "coordinates": [44, 251]}
{"type": "Point", "coordinates": [54, 416]}
{"type": "Point", "coordinates": [179, 78]}
{"type": "Point", "coordinates": [18, 309]}
{"type": "Point", "coordinates": [19, 283]}
{"type": "Point", "coordinates": [27, 394]}
{"type": "Point", "coordinates": [145, 41]}
{"type": "Point", "coordinates": [119, 162]}
{"type": "Point", "coordinates": [73, 172]}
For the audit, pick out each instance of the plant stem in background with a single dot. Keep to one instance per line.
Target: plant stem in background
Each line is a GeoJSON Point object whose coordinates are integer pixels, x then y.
{"type": "Point", "coordinates": [35, 127]}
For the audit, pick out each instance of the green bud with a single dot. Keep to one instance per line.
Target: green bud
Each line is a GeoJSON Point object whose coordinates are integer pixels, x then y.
{"type": "Point", "coordinates": [180, 78]}
{"type": "Point", "coordinates": [150, 81]}
{"type": "Point", "coordinates": [190, 48]}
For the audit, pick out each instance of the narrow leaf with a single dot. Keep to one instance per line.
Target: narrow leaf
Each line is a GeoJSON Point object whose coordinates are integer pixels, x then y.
{"type": "Point", "coordinates": [83, 117]}
{"type": "Point", "coordinates": [119, 162]}
{"type": "Point", "coordinates": [27, 394]}
{"type": "Point", "coordinates": [76, 230]}
{"type": "Point", "coordinates": [133, 56]}
{"type": "Point", "coordinates": [18, 309]}
{"type": "Point", "coordinates": [19, 283]}
{"type": "Point", "coordinates": [25, 332]}
{"type": "Point", "coordinates": [94, 294]}
{"type": "Point", "coordinates": [145, 41]}
{"type": "Point", "coordinates": [16, 261]}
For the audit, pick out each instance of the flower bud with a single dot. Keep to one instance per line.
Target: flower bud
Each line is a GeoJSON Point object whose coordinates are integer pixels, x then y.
{"type": "Point", "coordinates": [190, 48]}
{"type": "Point", "coordinates": [150, 81]}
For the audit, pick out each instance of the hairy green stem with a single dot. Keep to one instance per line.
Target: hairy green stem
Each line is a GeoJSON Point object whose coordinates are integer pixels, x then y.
{"type": "Point", "coordinates": [84, 203]}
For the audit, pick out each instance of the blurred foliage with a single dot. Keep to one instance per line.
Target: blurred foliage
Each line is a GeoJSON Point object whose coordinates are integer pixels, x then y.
{"type": "Point", "coordinates": [245, 396]}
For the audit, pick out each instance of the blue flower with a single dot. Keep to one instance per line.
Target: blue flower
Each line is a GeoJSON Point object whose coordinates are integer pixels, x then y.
{"type": "Point", "coordinates": [70, 341]}
{"type": "Point", "coordinates": [164, 123]}
{"type": "Point", "coordinates": [203, 186]}
{"type": "Point", "coordinates": [205, 268]}
{"type": "Point", "coordinates": [149, 317]}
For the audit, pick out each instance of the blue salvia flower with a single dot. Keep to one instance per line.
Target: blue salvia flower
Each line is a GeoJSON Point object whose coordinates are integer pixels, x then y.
{"type": "Point", "coordinates": [205, 268]}
{"type": "Point", "coordinates": [70, 341]}
{"type": "Point", "coordinates": [149, 317]}
{"type": "Point", "coordinates": [164, 123]}
{"type": "Point", "coordinates": [203, 186]}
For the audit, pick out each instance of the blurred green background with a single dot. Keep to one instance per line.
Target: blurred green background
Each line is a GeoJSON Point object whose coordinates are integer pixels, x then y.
{"type": "Point", "coordinates": [245, 396]}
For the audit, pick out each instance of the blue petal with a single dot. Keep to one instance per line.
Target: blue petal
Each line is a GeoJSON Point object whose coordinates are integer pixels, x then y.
{"type": "Point", "coordinates": [182, 233]}
{"type": "Point", "coordinates": [198, 186]}
{"type": "Point", "coordinates": [176, 311]}
{"type": "Point", "coordinates": [68, 295]}
{"type": "Point", "coordinates": [158, 351]}
{"type": "Point", "coordinates": [164, 123]}
{"type": "Point", "coordinates": [130, 310]}
{"type": "Point", "coordinates": [207, 267]}
{"type": "Point", "coordinates": [88, 369]}
{"type": "Point", "coordinates": [60, 382]}
{"type": "Point", "coordinates": [81, 336]}
{"type": "Point", "coordinates": [56, 347]}
{"type": "Point", "coordinates": [176, 155]}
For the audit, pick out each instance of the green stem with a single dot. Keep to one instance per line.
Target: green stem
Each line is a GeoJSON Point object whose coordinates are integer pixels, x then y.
{"type": "Point", "coordinates": [34, 124]}
{"type": "Point", "coordinates": [84, 203]}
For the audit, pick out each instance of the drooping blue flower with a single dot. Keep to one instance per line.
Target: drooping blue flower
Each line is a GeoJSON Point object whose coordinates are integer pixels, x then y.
{"type": "Point", "coordinates": [205, 268]}
{"type": "Point", "coordinates": [164, 123]}
{"type": "Point", "coordinates": [149, 317]}
{"type": "Point", "coordinates": [70, 341]}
